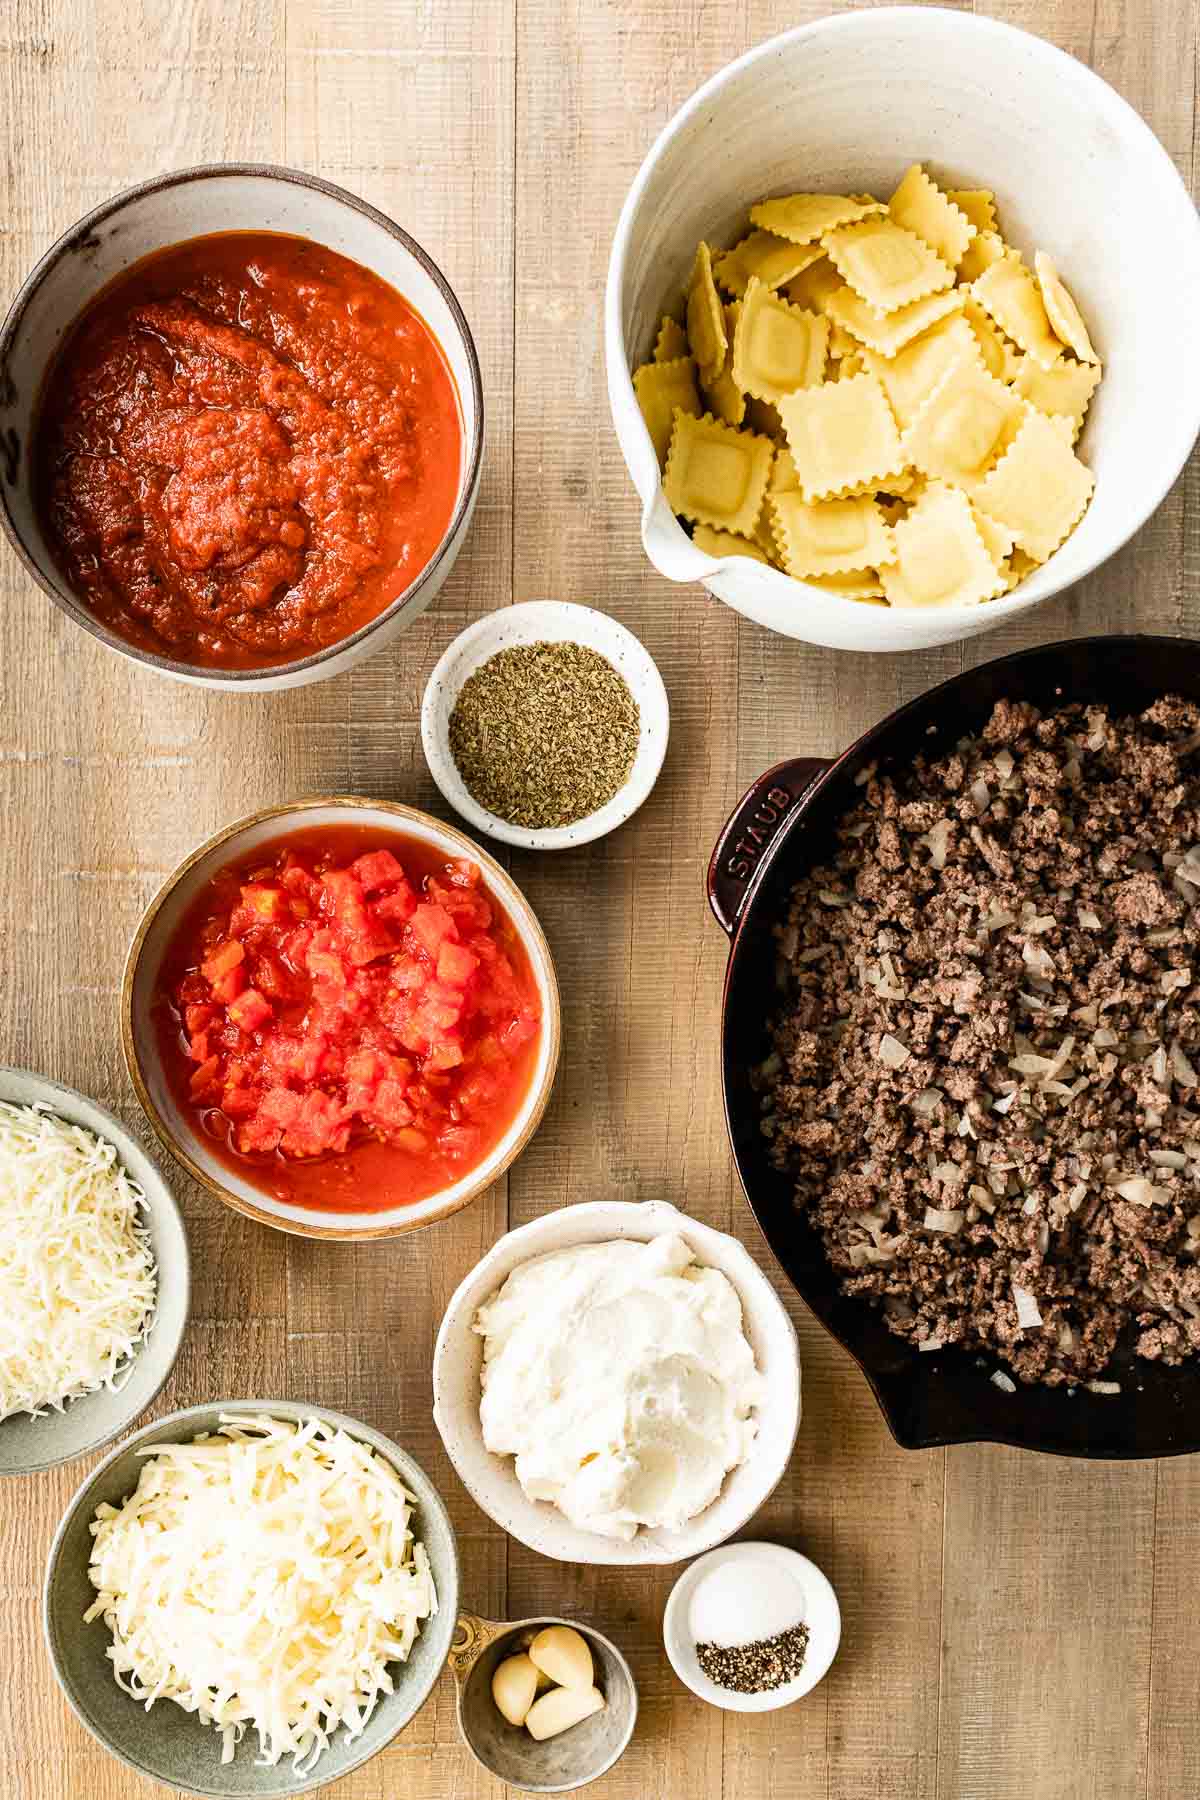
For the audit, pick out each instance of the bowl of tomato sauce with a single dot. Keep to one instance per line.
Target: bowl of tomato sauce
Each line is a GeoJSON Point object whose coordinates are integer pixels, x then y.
{"type": "Point", "coordinates": [342, 1017]}
{"type": "Point", "coordinates": [241, 426]}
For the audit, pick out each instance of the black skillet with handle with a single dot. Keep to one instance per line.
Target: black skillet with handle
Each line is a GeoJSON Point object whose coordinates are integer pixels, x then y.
{"type": "Point", "coordinates": [779, 828]}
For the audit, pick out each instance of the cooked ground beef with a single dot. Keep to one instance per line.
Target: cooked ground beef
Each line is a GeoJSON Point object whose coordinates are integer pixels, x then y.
{"type": "Point", "coordinates": [982, 1080]}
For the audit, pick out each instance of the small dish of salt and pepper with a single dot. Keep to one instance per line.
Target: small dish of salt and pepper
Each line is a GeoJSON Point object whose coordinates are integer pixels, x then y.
{"type": "Point", "coordinates": [752, 1627]}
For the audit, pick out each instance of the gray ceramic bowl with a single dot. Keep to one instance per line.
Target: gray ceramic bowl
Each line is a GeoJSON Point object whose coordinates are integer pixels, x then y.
{"type": "Point", "coordinates": [168, 1744]}
{"type": "Point", "coordinates": [557, 1765]}
{"type": "Point", "coordinates": [29, 1444]}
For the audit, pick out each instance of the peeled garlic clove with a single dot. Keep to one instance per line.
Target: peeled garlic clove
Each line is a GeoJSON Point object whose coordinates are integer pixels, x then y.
{"type": "Point", "coordinates": [561, 1708]}
{"type": "Point", "coordinates": [564, 1656]}
{"type": "Point", "coordinates": [514, 1685]}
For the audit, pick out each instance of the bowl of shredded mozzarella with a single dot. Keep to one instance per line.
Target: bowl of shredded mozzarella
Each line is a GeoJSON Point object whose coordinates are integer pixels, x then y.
{"type": "Point", "coordinates": [93, 1275]}
{"type": "Point", "coordinates": [251, 1598]}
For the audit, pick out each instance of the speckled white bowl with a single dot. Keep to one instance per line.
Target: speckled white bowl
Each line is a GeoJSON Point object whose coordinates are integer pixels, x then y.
{"type": "Point", "coordinates": [844, 104]}
{"type": "Point", "coordinates": [817, 1607]}
{"type": "Point", "coordinates": [491, 1480]}
{"type": "Point", "coordinates": [546, 621]}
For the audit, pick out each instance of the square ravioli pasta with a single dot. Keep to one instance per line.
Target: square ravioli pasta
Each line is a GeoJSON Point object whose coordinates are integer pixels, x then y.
{"type": "Point", "coordinates": [880, 398]}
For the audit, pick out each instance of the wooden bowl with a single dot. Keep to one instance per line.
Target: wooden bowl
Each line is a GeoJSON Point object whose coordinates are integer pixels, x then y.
{"type": "Point", "coordinates": [140, 1042]}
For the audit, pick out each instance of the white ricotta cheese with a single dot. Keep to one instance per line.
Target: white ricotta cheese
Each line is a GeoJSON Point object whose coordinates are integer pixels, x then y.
{"type": "Point", "coordinates": [620, 1378]}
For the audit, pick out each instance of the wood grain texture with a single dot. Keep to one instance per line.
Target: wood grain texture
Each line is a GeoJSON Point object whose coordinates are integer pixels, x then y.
{"type": "Point", "coordinates": [1011, 1626]}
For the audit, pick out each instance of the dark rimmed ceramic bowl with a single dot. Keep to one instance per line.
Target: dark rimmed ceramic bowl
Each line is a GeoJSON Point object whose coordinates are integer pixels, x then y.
{"type": "Point", "coordinates": [781, 827]}
{"type": "Point", "coordinates": [175, 1747]}
{"type": "Point", "coordinates": [190, 203]}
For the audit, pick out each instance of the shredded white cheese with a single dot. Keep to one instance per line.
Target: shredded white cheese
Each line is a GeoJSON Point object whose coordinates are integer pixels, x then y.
{"type": "Point", "coordinates": [265, 1576]}
{"type": "Point", "coordinates": [77, 1276]}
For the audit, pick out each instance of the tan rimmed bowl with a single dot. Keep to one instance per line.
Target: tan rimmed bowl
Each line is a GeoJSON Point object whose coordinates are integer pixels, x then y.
{"type": "Point", "coordinates": [139, 1037]}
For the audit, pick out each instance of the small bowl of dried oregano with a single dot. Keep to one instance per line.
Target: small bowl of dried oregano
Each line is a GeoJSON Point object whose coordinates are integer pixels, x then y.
{"type": "Point", "coordinates": [545, 725]}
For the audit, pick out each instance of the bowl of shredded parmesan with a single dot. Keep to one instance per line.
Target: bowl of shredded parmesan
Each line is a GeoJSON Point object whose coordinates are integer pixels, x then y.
{"type": "Point", "coordinates": [93, 1275]}
{"type": "Point", "coordinates": [251, 1598]}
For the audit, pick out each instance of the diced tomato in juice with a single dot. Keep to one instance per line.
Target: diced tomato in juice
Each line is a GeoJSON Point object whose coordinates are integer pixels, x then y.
{"type": "Point", "coordinates": [226, 957]}
{"type": "Point", "coordinates": [250, 1011]}
{"type": "Point", "coordinates": [432, 926]}
{"type": "Point", "coordinates": [378, 869]}
{"type": "Point", "coordinates": [227, 987]}
{"type": "Point", "coordinates": [456, 964]}
{"type": "Point", "coordinates": [390, 1105]}
{"type": "Point", "coordinates": [239, 1102]}
{"type": "Point", "coordinates": [408, 974]}
{"type": "Point", "coordinates": [397, 907]}
{"type": "Point", "coordinates": [411, 1140]}
{"type": "Point", "coordinates": [373, 1004]}
{"type": "Point", "coordinates": [460, 1140]}
{"type": "Point", "coordinates": [268, 904]}
{"type": "Point", "coordinates": [281, 1106]}
{"type": "Point", "coordinates": [521, 1030]}
{"type": "Point", "coordinates": [205, 1078]}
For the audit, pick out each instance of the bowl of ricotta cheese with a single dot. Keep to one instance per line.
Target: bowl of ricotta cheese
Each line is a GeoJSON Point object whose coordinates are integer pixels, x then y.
{"type": "Point", "coordinates": [618, 1384]}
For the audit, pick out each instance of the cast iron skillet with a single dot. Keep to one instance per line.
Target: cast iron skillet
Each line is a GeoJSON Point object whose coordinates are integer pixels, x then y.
{"type": "Point", "coordinates": [780, 827]}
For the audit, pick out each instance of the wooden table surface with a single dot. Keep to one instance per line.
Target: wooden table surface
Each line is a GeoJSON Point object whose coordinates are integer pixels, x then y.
{"type": "Point", "coordinates": [1014, 1627]}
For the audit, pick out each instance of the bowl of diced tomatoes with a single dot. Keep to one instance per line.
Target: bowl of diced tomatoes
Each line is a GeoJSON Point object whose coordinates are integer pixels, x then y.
{"type": "Point", "coordinates": [342, 1017]}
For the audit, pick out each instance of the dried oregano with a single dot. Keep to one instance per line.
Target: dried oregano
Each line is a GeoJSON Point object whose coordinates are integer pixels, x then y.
{"type": "Point", "coordinates": [544, 734]}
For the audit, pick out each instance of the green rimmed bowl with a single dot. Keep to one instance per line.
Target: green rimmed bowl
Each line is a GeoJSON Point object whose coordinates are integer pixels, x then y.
{"type": "Point", "coordinates": [29, 1444]}
{"type": "Point", "coordinates": [168, 1744]}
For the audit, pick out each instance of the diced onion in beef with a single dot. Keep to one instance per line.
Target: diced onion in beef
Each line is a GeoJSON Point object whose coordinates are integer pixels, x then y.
{"type": "Point", "coordinates": [1028, 1316]}
{"type": "Point", "coordinates": [1141, 1192]}
{"type": "Point", "coordinates": [947, 1219]}
{"type": "Point", "coordinates": [927, 1101]}
{"type": "Point", "coordinates": [981, 795]}
{"type": "Point", "coordinates": [1182, 1067]}
{"type": "Point", "coordinates": [1169, 1159]}
{"type": "Point", "coordinates": [1004, 1382]}
{"type": "Point", "coordinates": [892, 1052]}
{"type": "Point", "coordinates": [1089, 920]}
{"type": "Point", "coordinates": [1103, 1387]}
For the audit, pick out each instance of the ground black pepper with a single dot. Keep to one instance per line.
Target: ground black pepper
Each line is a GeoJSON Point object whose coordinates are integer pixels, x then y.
{"type": "Point", "coordinates": [759, 1667]}
{"type": "Point", "coordinates": [544, 734]}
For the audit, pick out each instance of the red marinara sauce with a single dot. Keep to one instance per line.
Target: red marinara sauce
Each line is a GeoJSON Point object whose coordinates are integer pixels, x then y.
{"type": "Point", "coordinates": [351, 1019]}
{"type": "Point", "coordinates": [248, 446]}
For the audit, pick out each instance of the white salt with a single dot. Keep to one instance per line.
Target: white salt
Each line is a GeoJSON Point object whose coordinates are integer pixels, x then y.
{"type": "Point", "coordinates": [743, 1602]}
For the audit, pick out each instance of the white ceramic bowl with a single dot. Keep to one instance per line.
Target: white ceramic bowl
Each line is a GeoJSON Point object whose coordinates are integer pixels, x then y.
{"type": "Point", "coordinates": [458, 1361]}
{"type": "Point", "coordinates": [845, 105]}
{"type": "Point", "coordinates": [140, 1043]}
{"type": "Point", "coordinates": [793, 1576]}
{"type": "Point", "coordinates": [546, 621]}
{"type": "Point", "coordinates": [28, 1444]}
{"type": "Point", "coordinates": [168, 210]}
